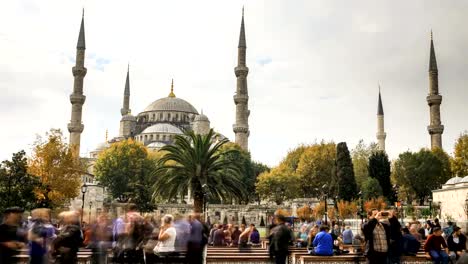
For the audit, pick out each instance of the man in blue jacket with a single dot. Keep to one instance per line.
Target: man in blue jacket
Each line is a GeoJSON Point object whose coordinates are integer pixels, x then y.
{"type": "Point", "coordinates": [323, 243]}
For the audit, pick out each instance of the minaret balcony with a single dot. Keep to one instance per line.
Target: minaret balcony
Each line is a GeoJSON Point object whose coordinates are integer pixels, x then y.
{"type": "Point", "coordinates": [75, 128]}
{"type": "Point", "coordinates": [79, 71]}
{"type": "Point", "coordinates": [241, 71]}
{"type": "Point", "coordinates": [435, 129]}
{"type": "Point", "coordinates": [240, 128]}
{"type": "Point", "coordinates": [241, 99]}
{"type": "Point", "coordinates": [381, 135]}
{"type": "Point", "coordinates": [77, 98]}
{"type": "Point", "coordinates": [434, 99]}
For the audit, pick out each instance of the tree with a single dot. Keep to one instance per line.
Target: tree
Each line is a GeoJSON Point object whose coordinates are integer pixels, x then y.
{"type": "Point", "coordinates": [17, 186]}
{"type": "Point", "coordinates": [347, 209]}
{"type": "Point", "coordinates": [460, 160]}
{"type": "Point", "coordinates": [293, 157]}
{"type": "Point", "coordinates": [278, 185]}
{"type": "Point", "coordinates": [446, 161]}
{"type": "Point", "coordinates": [375, 203]}
{"type": "Point", "coordinates": [379, 169]}
{"type": "Point", "coordinates": [58, 170]}
{"type": "Point", "coordinates": [196, 163]}
{"type": "Point", "coordinates": [316, 167]}
{"type": "Point", "coordinates": [360, 156]}
{"type": "Point", "coordinates": [346, 183]}
{"type": "Point", "coordinates": [125, 168]}
{"type": "Point", "coordinates": [418, 174]}
{"type": "Point", "coordinates": [304, 213]}
{"type": "Point", "coordinates": [371, 189]}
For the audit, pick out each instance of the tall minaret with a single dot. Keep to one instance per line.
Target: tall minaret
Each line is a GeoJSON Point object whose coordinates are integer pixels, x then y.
{"type": "Point", "coordinates": [435, 127]}
{"type": "Point", "coordinates": [77, 99]}
{"type": "Point", "coordinates": [126, 101]}
{"type": "Point", "coordinates": [241, 98]}
{"type": "Point", "coordinates": [381, 135]}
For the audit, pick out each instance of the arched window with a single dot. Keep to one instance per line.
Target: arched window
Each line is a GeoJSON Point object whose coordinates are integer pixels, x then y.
{"type": "Point", "coordinates": [177, 117]}
{"type": "Point", "coordinates": [151, 137]}
{"type": "Point", "coordinates": [154, 117]}
{"type": "Point", "coordinates": [160, 116]}
{"type": "Point", "coordinates": [157, 137]}
{"type": "Point", "coordinates": [168, 116]}
{"type": "Point", "coordinates": [164, 137]}
{"type": "Point", "coordinates": [146, 137]}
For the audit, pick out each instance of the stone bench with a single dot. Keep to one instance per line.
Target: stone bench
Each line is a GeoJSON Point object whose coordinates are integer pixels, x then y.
{"type": "Point", "coordinates": [240, 259]}
{"type": "Point", "coordinates": [346, 259]}
{"type": "Point", "coordinates": [82, 258]}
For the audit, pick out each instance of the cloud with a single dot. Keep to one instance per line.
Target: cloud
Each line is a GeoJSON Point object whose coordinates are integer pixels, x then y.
{"type": "Point", "coordinates": [264, 60]}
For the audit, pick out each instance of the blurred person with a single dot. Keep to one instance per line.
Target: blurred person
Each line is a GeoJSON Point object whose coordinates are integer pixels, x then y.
{"type": "Point", "coordinates": [197, 241]}
{"type": "Point", "coordinates": [167, 237]}
{"type": "Point", "coordinates": [323, 243]}
{"type": "Point", "coordinates": [311, 236]}
{"type": "Point", "coordinates": [280, 238]}
{"type": "Point", "coordinates": [65, 246]}
{"type": "Point", "coordinates": [414, 232]}
{"type": "Point", "coordinates": [377, 236]}
{"type": "Point", "coordinates": [212, 231]}
{"type": "Point", "coordinates": [182, 227]}
{"type": "Point", "coordinates": [227, 235]}
{"type": "Point", "coordinates": [336, 230]}
{"type": "Point", "coordinates": [410, 245]}
{"type": "Point", "coordinates": [302, 237]}
{"type": "Point", "coordinates": [427, 229]}
{"type": "Point", "coordinates": [436, 248]}
{"type": "Point", "coordinates": [436, 223]}
{"type": "Point", "coordinates": [100, 239]}
{"type": "Point", "coordinates": [40, 235]}
{"type": "Point", "coordinates": [347, 236]}
{"type": "Point", "coordinates": [244, 238]}
{"type": "Point", "coordinates": [254, 236]}
{"type": "Point", "coordinates": [10, 241]}
{"type": "Point", "coordinates": [448, 230]}
{"type": "Point", "coordinates": [456, 243]}
{"type": "Point", "coordinates": [218, 240]}
{"type": "Point", "coordinates": [235, 236]}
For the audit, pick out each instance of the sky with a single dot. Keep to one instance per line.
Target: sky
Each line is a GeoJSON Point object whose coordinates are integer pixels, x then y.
{"type": "Point", "coordinates": [314, 67]}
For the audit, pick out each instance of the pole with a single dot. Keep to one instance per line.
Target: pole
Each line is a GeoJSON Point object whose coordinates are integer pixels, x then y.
{"type": "Point", "coordinates": [82, 208]}
{"type": "Point", "coordinates": [326, 210]}
{"type": "Point", "coordinates": [89, 213]}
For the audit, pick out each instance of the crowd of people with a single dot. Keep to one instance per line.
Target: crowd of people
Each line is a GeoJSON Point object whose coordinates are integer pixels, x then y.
{"type": "Point", "coordinates": [132, 237]}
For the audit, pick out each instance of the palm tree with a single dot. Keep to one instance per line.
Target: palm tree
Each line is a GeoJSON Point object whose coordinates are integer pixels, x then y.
{"type": "Point", "coordinates": [196, 163]}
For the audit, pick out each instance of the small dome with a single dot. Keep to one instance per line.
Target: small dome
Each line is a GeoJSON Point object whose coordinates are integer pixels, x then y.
{"type": "Point", "coordinates": [171, 104]}
{"type": "Point", "coordinates": [156, 145]}
{"type": "Point", "coordinates": [201, 118]}
{"type": "Point", "coordinates": [162, 128]}
{"type": "Point", "coordinates": [454, 180]}
{"type": "Point", "coordinates": [102, 146]}
{"type": "Point", "coordinates": [128, 118]}
{"type": "Point", "coordinates": [464, 180]}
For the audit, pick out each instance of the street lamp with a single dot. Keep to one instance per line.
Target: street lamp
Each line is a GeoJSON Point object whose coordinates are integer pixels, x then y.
{"type": "Point", "coordinates": [89, 213]}
{"type": "Point", "coordinates": [325, 198]}
{"type": "Point", "coordinates": [84, 188]}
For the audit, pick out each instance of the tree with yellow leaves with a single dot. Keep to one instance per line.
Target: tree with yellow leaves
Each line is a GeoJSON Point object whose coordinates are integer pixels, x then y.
{"type": "Point", "coordinates": [278, 184]}
{"type": "Point", "coordinates": [460, 160]}
{"type": "Point", "coordinates": [58, 170]}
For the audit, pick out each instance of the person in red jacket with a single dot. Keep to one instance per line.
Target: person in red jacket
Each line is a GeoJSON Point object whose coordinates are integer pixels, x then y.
{"type": "Point", "coordinates": [436, 248]}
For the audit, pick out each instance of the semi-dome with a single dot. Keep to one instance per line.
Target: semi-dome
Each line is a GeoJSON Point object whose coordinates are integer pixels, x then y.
{"type": "Point", "coordinates": [464, 180]}
{"type": "Point", "coordinates": [171, 104]}
{"type": "Point", "coordinates": [162, 128]}
{"type": "Point", "coordinates": [201, 117]}
{"type": "Point", "coordinates": [156, 145]}
{"type": "Point", "coordinates": [454, 180]}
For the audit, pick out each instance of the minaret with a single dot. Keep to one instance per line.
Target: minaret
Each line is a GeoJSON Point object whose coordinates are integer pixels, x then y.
{"type": "Point", "coordinates": [241, 98]}
{"type": "Point", "coordinates": [127, 122]}
{"type": "Point", "coordinates": [435, 127]}
{"type": "Point", "coordinates": [381, 135]}
{"type": "Point", "coordinates": [126, 101]}
{"type": "Point", "coordinates": [77, 99]}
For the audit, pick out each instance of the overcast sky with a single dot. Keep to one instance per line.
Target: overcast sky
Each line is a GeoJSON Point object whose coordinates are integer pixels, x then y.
{"type": "Point", "coordinates": [314, 67]}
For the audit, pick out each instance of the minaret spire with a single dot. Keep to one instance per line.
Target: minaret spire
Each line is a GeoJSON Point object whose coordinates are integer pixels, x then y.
{"type": "Point", "coordinates": [381, 135]}
{"type": "Point", "coordinates": [241, 98]}
{"type": "Point", "coordinates": [77, 99]}
{"type": "Point", "coordinates": [434, 99]}
{"type": "Point", "coordinates": [126, 102]}
{"type": "Point", "coordinates": [171, 94]}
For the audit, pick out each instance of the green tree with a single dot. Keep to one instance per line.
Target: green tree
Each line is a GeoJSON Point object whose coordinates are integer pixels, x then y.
{"type": "Point", "coordinates": [346, 183]}
{"type": "Point", "coordinates": [58, 170]}
{"type": "Point", "coordinates": [125, 168]}
{"type": "Point", "coordinates": [418, 174]}
{"type": "Point", "coordinates": [316, 167]}
{"type": "Point", "coordinates": [278, 185]}
{"type": "Point", "coordinates": [379, 169]}
{"type": "Point", "coordinates": [17, 186]}
{"type": "Point", "coordinates": [460, 160]}
{"type": "Point", "coordinates": [196, 163]}
{"type": "Point", "coordinates": [360, 156]}
{"type": "Point", "coordinates": [371, 189]}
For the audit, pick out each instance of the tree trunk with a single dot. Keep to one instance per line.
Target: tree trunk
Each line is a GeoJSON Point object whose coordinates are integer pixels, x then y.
{"type": "Point", "coordinates": [198, 202]}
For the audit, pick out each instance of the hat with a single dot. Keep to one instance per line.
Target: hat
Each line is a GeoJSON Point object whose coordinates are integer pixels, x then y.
{"type": "Point", "coordinates": [455, 229]}
{"type": "Point", "coordinates": [13, 210]}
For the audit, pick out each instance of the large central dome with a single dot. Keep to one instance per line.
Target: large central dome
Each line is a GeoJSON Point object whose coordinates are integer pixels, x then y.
{"type": "Point", "coordinates": [171, 104]}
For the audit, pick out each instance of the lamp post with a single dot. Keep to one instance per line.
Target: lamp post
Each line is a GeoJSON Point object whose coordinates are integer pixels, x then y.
{"type": "Point", "coordinates": [84, 188]}
{"type": "Point", "coordinates": [325, 198]}
{"type": "Point", "coordinates": [430, 206]}
{"type": "Point", "coordinates": [89, 213]}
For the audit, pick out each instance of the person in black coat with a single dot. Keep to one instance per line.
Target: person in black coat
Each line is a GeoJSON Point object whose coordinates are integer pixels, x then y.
{"type": "Point", "coordinates": [456, 244]}
{"type": "Point", "coordinates": [280, 239]}
{"type": "Point", "coordinates": [411, 245]}
{"type": "Point", "coordinates": [377, 236]}
{"type": "Point", "coordinates": [394, 250]}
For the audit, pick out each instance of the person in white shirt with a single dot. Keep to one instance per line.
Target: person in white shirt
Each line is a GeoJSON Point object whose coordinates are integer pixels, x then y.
{"type": "Point", "coordinates": [167, 236]}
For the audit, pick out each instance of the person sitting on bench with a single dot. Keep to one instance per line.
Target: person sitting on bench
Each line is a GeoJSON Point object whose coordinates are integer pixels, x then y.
{"type": "Point", "coordinates": [323, 243]}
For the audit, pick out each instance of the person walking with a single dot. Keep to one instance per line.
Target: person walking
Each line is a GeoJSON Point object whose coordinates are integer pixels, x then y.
{"type": "Point", "coordinates": [377, 237]}
{"type": "Point", "coordinates": [65, 246]}
{"type": "Point", "coordinates": [456, 244]}
{"type": "Point", "coordinates": [280, 238]}
{"type": "Point", "coordinates": [10, 242]}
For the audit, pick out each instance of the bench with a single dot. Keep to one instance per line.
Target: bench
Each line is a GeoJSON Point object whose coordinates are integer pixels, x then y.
{"type": "Point", "coordinates": [82, 258]}
{"type": "Point", "coordinates": [355, 259]}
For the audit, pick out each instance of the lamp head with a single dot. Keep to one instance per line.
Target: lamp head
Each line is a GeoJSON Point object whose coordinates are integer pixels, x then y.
{"type": "Point", "coordinates": [84, 188]}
